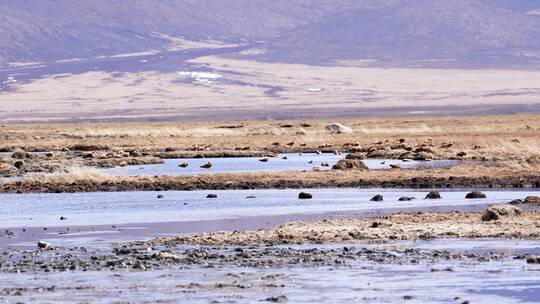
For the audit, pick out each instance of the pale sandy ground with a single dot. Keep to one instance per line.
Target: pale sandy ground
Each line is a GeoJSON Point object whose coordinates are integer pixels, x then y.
{"type": "Point", "coordinates": [259, 89]}
{"type": "Point", "coordinates": [401, 226]}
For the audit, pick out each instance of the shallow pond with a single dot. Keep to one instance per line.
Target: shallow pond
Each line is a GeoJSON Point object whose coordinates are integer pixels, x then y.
{"type": "Point", "coordinates": [45, 209]}
{"type": "Point", "coordinates": [97, 218]}
{"type": "Point", "coordinates": [293, 162]}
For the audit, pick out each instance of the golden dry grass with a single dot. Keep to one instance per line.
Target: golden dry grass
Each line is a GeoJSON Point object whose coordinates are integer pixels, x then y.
{"type": "Point", "coordinates": [468, 175]}
{"type": "Point", "coordinates": [505, 137]}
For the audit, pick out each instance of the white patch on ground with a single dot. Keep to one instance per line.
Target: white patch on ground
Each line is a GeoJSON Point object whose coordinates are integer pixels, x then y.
{"type": "Point", "coordinates": [182, 44]}
{"type": "Point", "coordinates": [200, 76]}
{"type": "Point", "coordinates": [253, 52]}
{"type": "Point", "coordinates": [10, 80]}
{"type": "Point", "coordinates": [24, 64]}
{"type": "Point", "coordinates": [136, 54]}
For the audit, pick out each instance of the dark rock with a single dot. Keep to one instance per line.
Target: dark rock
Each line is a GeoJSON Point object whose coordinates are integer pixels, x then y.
{"type": "Point", "coordinates": [278, 299]}
{"type": "Point", "coordinates": [211, 195]}
{"type": "Point", "coordinates": [305, 195]}
{"type": "Point", "coordinates": [462, 154]}
{"type": "Point", "coordinates": [63, 218]}
{"type": "Point", "coordinates": [85, 147]}
{"type": "Point", "coordinates": [208, 165]}
{"type": "Point", "coordinates": [44, 245]}
{"type": "Point", "coordinates": [475, 194]}
{"type": "Point", "coordinates": [433, 195]}
{"type": "Point", "coordinates": [533, 259]}
{"type": "Point", "coordinates": [422, 156]}
{"type": "Point", "coordinates": [18, 164]}
{"type": "Point", "coordinates": [160, 196]}
{"type": "Point", "coordinates": [183, 165]}
{"type": "Point", "coordinates": [517, 202]}
{"type": "Point", "coordinates": [377, 198]}
{"type": "Point", "coordinates": [406, 198]}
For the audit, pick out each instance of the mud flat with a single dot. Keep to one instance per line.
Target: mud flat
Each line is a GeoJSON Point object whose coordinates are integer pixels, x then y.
{"type": "Point", "coordinates": [402, 226]}
{"type": "Point", "coordinates": [479, 270]}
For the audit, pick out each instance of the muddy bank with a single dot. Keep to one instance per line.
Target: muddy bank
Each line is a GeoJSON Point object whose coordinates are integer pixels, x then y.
{"type": "Point", "coordinates": [414, 179]}
{"type": "Point", "coordinates": [342, 273]}
{"type": "Point", "coordinates": [402, 226]}
{"type": "Point", "coordinates": [139, 257]}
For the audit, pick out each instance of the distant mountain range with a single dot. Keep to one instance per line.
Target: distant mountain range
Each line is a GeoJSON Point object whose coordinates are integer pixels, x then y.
{"type": "Point", "coordinates": [418, 32]}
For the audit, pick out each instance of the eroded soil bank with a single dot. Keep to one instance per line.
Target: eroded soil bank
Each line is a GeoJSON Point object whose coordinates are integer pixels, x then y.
{"type": "Point", "coordinates": [464, 176]}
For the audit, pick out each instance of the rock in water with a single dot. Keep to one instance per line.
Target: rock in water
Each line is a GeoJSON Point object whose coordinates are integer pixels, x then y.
{"type": "Point", "coordinates": [350, 164]}
{"type": "Point", "coordinates": [475, 194]}
{"type": "Point", "coordinates": [377, 198]}
{"type": "Point", "coordinates": [183, 165]}
{"type": "Point", "coordinates": [305, 195]}
{"type": "Point", "coordinates": [406, 198]}
{"type": "Point", "coordinates": [433, 195]}
{"type": "Point", "coordinates": [533, 259]}
{"type": "Point", "coordinates": [44, 245]}
{"type": "Point", "coordinates": [208, 165]}
{"type": "Point", "coordinates": [278, 299]}
{"type": "Point", "coordinates": [497, 212]}
{"type": "Point", "coordinates": [211, 195]}
{"type": "Point", "coordinates": [535, 200]}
